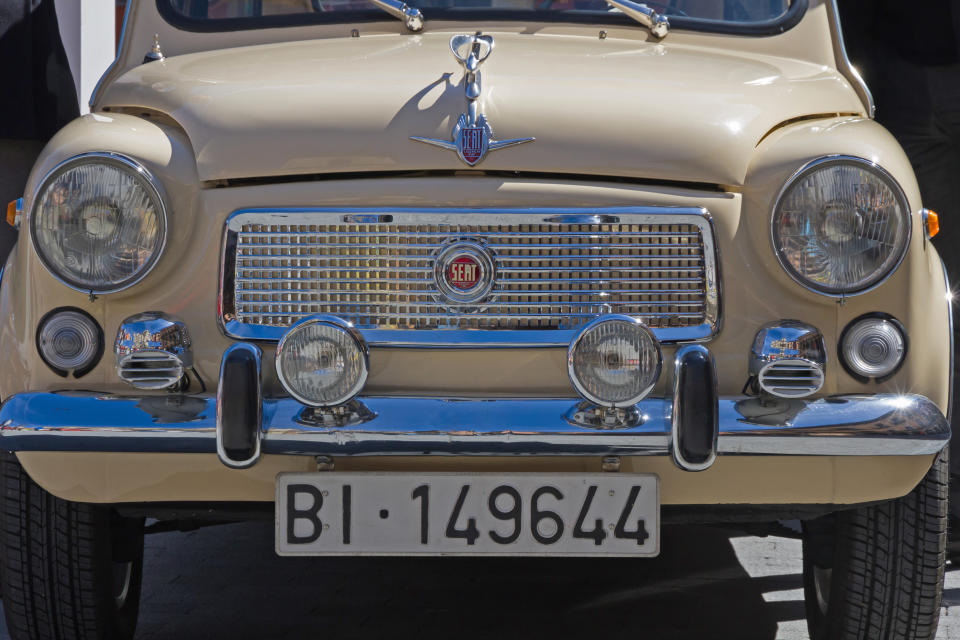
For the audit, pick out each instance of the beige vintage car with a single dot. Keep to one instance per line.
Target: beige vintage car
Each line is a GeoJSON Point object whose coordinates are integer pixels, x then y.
{"type": "Point", "coordinates": [513, 278]}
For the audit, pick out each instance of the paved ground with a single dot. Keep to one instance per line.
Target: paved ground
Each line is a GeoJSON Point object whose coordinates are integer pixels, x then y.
{"type": "Point", "coordinates": [225, 582]}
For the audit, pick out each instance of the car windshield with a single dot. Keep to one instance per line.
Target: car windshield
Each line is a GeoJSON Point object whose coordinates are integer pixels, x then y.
{"type": "Point", "coordinates": [749, 16]}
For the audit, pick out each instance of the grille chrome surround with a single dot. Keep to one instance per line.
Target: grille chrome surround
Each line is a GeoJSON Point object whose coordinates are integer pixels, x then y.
{"type": "Point", "coordinates": [557, 269]}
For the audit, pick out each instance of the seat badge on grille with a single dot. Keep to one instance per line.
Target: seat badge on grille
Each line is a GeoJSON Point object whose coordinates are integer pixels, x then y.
{"type": "Point", "coordinates": [472, 136]}
{"type": "Point", "coordinates": [464, 272]}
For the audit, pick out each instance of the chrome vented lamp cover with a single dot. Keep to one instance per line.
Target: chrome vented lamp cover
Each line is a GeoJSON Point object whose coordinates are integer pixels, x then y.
{"type": "Point", "coordinates": [153, 350]}
{"type": "Point", "coordinates": [788, 358]}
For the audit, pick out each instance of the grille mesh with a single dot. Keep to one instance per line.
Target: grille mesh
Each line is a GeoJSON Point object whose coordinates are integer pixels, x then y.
{"type": "Point", "coordinates": [548, 276]}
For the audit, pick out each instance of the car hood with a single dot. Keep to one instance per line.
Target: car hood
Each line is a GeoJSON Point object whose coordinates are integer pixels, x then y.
{"type": "Point", "coordinates": [612, 107]}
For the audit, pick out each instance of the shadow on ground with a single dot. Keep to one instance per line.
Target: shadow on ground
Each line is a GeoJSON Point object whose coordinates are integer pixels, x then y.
{"type": "Point", "coordinates": [226, 582]}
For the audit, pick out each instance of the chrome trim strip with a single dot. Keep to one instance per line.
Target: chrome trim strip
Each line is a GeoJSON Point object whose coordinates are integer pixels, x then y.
{"type": "Point", "coordinates": [675, 408]}
{"type": "Point", "coordinates": [880, 171]}
{"type": "Point", "coordinates": [221, 450]}
{"type": "Point", "coordinates": [130, 164]}
{"type": "Point", "coordinates": [952, 374]}
{"type": "Point", "coordinates": [883, 424]}
{"type": "Point", "coordinates": [845, 66]}
{"type": "Point", "coordinates": [478, 338]}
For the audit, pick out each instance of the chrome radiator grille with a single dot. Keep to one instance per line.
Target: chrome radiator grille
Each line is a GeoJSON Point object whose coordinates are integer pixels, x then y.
{"type": "Point", "coordinates": [553, 272]}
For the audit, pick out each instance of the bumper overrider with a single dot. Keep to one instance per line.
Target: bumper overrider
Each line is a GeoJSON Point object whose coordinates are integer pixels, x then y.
{"type": "Point", "coordinates": [692, 424]}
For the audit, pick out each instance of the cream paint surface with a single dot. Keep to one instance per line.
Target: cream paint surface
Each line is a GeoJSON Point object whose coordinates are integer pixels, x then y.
{"type": "Point", "coordinates": [321, 106]}
{"type": "Point", "coordinates": [136, 477]}
{"type": "Point", "coordinates": [756, 290]}
{"type": "Point", "coordinates": [810, 41]}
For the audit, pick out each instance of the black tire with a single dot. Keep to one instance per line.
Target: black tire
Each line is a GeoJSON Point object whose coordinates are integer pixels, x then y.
{"type": "Point", "coordinates": [877, 572]}
{"type": "Point", "coordinates": [69, 569]}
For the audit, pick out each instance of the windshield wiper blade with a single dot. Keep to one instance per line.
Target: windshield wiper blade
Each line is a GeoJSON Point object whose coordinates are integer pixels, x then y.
{"type": "Point", "coordinates": [411, 16]}
{"type": "Point", "coordinates": [657, 23]}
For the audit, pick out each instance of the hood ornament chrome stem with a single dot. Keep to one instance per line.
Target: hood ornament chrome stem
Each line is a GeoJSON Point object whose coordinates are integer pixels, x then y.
{"type": "Point", "coordinates": [472, 136]}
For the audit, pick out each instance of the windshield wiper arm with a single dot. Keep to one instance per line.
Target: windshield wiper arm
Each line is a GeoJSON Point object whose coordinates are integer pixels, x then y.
{"type": "Point", "coordinates": [411, 16]}
{"type": "Point", "coordinates": [657, 23]}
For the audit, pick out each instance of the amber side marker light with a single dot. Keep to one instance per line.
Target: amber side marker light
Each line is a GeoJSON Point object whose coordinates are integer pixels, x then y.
{"type": "Point", "coordinates": [930, 220]}
{"type": "Point", "coordinates": [13, 212]}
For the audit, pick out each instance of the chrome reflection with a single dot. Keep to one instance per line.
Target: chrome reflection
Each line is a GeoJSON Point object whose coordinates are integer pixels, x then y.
{"type": "Point", "coordinates": [885, 424]}
{"type": "Point", "coordinates": [443, 328]}
{"type": "Point", "coordinates": [588, 415]}
{"type": "Point", "coordinates": [676, 407]}
{"type": "Point", "coordinates": [248, 418]}
{"type": "Point", "coordinates": [350, 414]}
{"type": "Point", "coordinates": [153, 350]}
{"type": "Point", "coordinates": [788, 358]}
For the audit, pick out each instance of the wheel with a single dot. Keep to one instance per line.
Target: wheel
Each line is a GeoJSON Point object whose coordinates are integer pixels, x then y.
{"type": "Point", "coordinates": [69, 569]}
{"type": "Point", "coordinates": [877, 572]}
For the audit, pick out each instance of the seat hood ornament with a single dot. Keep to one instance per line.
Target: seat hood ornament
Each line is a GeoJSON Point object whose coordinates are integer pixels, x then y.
{"type": "Point", "coordinates": [472, 136]}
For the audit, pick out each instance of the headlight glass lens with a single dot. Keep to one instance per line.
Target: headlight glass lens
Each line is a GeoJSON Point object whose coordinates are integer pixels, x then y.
{"type": "Point", "coordinates": [841, 226]}
{"type": "Point", "coordinates": [98, 223]}
{"type": "Point", "coordinates": [615, 361]}
{"type": "Point", "coordinates": [321, 363]}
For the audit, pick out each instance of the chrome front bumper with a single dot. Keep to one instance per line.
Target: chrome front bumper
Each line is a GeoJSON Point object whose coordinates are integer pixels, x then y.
{"type": "Point", "coordinates": [836, 426]}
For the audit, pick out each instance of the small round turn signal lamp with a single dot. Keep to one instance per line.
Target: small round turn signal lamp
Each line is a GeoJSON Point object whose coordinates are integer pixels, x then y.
{"type": "Point", "coordinates": [69, 340]}
{"type": "Point", "coordinates": [322, 361]}
{"type": "Point", "coordinates": [614, 361]}
{"type": "Point", "coordinates": [873, 346]}
{"type": "Point", "coordinates": [931, 222]}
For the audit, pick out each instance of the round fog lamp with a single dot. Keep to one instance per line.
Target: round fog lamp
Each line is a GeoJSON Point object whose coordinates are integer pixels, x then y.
{"type": "Point", "coordinates": [873, 346]}
{"type": "Point", "coordinates": [69, 340]}
{"type": "Point", "coordinates": [614, 361]}
{"type": "Point", "coordinates": [322, 361]}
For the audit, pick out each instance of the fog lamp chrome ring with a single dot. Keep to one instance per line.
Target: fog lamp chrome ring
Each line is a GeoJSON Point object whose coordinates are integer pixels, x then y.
{"type": "Point", "coordinates": [342, 357]}
{"type": "Point", "coordinates": [604, 356]}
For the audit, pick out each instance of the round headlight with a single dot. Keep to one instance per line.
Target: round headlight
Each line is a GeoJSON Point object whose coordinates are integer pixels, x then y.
{"type": "Point", "coordinates": [69, 340]}
{"type": "Point", "coordinates": [614, 361]}
{"type": "Point", "coordinates": [98, 222]}
{"type": "Point", "coordinates": [322, 361]}
{"type": "Point", "coordinates": [873, 346]}
{"type": "Point", "coordinates": [841, 225]}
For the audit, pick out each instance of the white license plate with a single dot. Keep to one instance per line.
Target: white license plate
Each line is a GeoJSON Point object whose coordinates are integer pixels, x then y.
{"type": "Point", "coordinates": [331, 513]}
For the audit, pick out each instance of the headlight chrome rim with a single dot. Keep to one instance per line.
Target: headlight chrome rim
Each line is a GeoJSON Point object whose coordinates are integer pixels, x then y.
{"type": "Point", "coordinates": [150, 182]}
{"type": "Point", "coordinates": [579, 386]}
{"type": "Point", "coordinates": [358, 340]}
{"type": "Point", "coordinates": [880, 172]}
